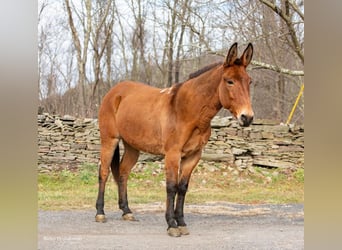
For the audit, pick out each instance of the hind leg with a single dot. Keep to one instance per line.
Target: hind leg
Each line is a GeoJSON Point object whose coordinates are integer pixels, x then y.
{"type": "Point", "coordinates": [129, 159]}
{"type": "Point", "coordinates": [108, 146]}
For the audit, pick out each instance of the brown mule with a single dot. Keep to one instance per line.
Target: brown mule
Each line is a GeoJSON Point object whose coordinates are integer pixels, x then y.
{"type": "Point", "coordinates": [173, 122]}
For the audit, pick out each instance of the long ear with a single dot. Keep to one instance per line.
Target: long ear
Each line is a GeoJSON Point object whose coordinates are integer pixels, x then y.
{"type": "Point", "coordinates": [247, 55]}
{"type": "Point", "coordinates": [231, 56]}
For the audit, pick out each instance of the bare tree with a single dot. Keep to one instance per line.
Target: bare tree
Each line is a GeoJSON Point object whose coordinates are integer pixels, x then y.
{"type": "Point", "coordinates": [121, 40]}
{"type": "Point", "coordinates": [287, 17]}
{"type": "Point", "coordinates": [41, 46]}
{"type": "Point", "coordinates": [161, 42]}
{"type": "Point", "coordinates": [102, 28]}
{"type": "Point", "coordinates": [138, 40]}
{"type": "Point", "coordinates": [183, 17]}
{"type": "Point", "coordinates": [52, 80]}
{"type": "Point", "coordinates": [286, 11]}
{"type": "Point", "coordinates": [169, 42]}
{"type": "Point", "coordinates": [81, 51]}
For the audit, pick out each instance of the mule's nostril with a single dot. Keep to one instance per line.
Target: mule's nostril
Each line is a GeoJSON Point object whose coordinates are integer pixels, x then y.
{"type": "Point", "coordinates": [246, 120]}
{"type": "Point", "coordinates": [243, 118]}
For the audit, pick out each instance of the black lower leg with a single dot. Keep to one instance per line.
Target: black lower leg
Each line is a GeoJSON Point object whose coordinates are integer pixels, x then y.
{"type": "Point", "coordinates": [100, 200]}
{"type": "Point", "coordinates": [179, 214]}
{"type": "Point", "coordinates": [123, 201]}
{"type": "Point", "coordinates": [123, 205]}
{"type": "Point", "coordinates": [170, 215]}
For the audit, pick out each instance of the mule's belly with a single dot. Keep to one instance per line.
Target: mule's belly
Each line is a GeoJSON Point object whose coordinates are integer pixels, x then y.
{"type": "Point", "coordinates": [139, 125]}
{"type": "Point", "coordinates": [151, 146]}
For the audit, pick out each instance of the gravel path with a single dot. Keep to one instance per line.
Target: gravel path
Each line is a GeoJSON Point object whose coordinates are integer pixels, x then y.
{"type": "Point", "coordinates": [211, 226]}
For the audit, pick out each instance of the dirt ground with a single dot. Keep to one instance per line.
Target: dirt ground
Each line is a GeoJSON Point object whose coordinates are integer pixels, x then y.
{"type": "Point", "coordinates": [211, 226]}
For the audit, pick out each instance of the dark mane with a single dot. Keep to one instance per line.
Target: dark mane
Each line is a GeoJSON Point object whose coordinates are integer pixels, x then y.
{"type": "Point", "coordinates": [177, 86]}
{"type": "Point", "coordinates": [203, 70]}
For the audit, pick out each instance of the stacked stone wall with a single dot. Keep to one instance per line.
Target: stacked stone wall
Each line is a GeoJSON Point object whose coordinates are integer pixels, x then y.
{"type": "Point", "coordinates": [67, 141]}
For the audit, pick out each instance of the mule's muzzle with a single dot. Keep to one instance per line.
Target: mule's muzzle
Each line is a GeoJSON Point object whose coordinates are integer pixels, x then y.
{"type": "Point", "coordinates": [245, 120]}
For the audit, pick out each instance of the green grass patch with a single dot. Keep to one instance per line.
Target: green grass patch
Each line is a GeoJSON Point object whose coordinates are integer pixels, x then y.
{"type": "Point", "coordinates": [66, 189]}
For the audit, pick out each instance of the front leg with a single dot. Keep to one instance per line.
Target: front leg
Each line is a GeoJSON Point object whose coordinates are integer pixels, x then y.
{"type": "Point", "coordinates": [172, 161]}
{"type": "Point", "coordinates": [187, 166]}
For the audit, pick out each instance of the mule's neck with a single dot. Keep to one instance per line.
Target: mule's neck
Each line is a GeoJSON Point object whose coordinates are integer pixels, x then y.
{"type": "Point", "coordinates": [199, 98]}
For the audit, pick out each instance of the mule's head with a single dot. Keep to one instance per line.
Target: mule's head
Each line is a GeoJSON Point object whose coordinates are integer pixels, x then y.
{"type": "Point", "coordinates": [234, 91]}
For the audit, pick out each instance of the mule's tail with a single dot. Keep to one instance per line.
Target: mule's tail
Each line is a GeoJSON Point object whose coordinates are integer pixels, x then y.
{"type": "Point", "coordinates": [116, 164]}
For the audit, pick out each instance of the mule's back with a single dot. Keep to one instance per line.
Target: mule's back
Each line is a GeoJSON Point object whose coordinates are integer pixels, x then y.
{"type": "Point", "coordinates": [136, 112]}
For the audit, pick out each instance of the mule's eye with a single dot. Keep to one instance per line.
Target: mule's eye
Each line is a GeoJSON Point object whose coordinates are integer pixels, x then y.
{"type": "Point", "coordinates": [230, 82]}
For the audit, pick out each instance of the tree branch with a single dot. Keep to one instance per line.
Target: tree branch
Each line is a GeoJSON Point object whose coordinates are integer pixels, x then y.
{"type": "Point", "coordinates": [74, 32]}
{"type": "Point", "coordinates": [296, 9]}
{"type": "Point", "coordinates": [261, 65]}
{"type": "Point", "coordinates": [289, 24]}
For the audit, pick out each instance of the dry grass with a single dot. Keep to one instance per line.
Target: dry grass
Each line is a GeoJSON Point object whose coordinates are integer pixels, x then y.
{"type": "Point", "coordinates": [78, 189]}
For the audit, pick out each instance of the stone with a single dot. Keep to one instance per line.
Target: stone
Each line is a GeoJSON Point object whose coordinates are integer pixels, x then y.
{"type": "Point", "coordinates": [264, 122]}
{"type": "Point", "coordinates": [216, 157]}
{"type": "Point", "coordinates": [255, 135]}
{"type": "Point", "coordinates": [251, 170]}
{"type": "Point", "coordinates": [230, 131]}
{"type": "Point", "coordinates": [267, 135]}
{"type": "Point", "coordinates": [271, 162]}
{"type": "Point", "coordinates": [68, 118]}
{"type": "Point", "coordinates": [238, 151]}
{"type": "Point", "coordinates": [95, 147]}
{"type": "Point", "coordinates": [238, 163]}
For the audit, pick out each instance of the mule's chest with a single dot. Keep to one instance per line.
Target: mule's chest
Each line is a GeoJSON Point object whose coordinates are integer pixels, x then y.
{"type": "Point", "coordinates": [196, 141]}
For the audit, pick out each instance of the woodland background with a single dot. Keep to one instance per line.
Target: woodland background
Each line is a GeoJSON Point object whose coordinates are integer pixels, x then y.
{"type": "Point", "coordinates": [87, 46]}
